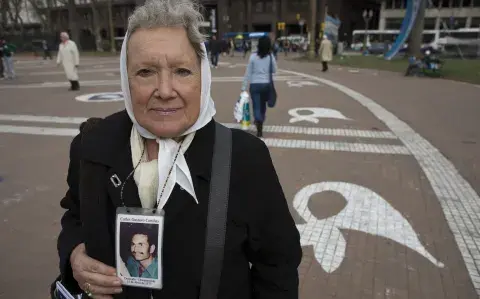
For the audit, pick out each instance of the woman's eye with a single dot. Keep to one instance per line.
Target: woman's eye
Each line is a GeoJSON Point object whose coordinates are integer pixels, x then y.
{"type": "Point", "coordinates": [144, 72]}
{"type": "Point", "coordinates": [183, 72]}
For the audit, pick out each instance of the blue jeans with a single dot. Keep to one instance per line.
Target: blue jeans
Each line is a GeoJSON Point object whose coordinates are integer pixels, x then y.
{"type": "Point", "coordinates": [215, 59]}
{"type": "Point", "coordinates": [8, 67]}
{"type": "Point", "coordinates": [259, 93]}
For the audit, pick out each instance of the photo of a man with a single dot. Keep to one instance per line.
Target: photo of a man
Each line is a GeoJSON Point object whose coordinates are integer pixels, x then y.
{"type": "Point", "coordinates": [141, 260]}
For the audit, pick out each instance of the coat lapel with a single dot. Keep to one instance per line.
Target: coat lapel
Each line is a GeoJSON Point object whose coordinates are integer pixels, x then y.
{"type": "Point", "coordinates": [199, 159]}
{"type": "Point", "coordinates": [109, 144]}
{"type": "Point", "coordinates": [121, 186]}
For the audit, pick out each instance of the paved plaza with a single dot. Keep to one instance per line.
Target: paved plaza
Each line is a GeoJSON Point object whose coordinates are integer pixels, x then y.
{"type": "Point", "coordinates": [381, 172]}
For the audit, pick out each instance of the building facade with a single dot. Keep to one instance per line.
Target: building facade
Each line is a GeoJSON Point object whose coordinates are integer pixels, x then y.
{"type": "Point", "coordinates": [264, 15]}
{"type": "Point", "coordinates": [222, 16]}
{"type": "Point", "coordinates": [452, 14]}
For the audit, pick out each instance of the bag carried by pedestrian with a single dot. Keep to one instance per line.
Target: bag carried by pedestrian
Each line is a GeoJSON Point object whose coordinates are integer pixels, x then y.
{"type": "Point", "coordinates": [272, 94]}
{"type": "Point", "coordinates": [239, 108]}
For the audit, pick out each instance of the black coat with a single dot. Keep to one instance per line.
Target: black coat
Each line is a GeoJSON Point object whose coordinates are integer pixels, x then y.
{"type": "Point", "coordinates": [260, 229]}
{"type": "Point", "coordinates": [215, 46]}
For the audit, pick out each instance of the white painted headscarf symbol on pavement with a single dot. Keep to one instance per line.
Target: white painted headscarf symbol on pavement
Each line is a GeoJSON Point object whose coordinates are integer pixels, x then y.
{"type": "Point", "coordinates": [366, 211]}
{"type": "Point", "coordinates": [167, 147]}
{"type": "Point", "coordinates": [315, 114]}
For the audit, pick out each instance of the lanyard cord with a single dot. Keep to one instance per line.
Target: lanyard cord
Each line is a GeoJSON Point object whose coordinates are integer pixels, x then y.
{"type": "Point", "coordinates": [164, 185]}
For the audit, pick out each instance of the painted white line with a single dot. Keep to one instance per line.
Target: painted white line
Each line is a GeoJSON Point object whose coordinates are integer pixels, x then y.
{"type": "Point", "coordinates": [268, 129]}
{"type": "Point", "coordinates": [96, 69]}
{"type": "Point", "coordinates": [337, 146]}
{"type": "Point", "coordinates": [42, 119]}
{"type": "Point", "coordinates": [271, 142]}
{"type": "Point", "coordinates": [38, 131]}
{"type": "Point", "coordinates": [459, 201]}
{"type": "Point", "coordinates": [52, 64]}
{"type": "Point", "coordinates": [117, 82]}
{"type": "Point", "coordinates": [321, 131]}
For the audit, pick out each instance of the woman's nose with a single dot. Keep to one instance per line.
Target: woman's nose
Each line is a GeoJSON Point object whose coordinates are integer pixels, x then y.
{"type": "Point", "coordinates": [165, 86]}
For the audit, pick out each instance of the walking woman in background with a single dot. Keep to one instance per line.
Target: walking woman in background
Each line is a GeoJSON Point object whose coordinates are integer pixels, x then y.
{"type": "Point", "coordinates": [68, 56]}
{"type": "Point", "coordinates": [258, 74]}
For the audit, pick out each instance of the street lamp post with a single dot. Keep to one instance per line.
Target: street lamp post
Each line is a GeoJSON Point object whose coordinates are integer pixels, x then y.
{"type": "Point", "coordinates": [367, 17]}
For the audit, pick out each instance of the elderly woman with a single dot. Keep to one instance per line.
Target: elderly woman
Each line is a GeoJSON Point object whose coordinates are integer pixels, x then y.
{"type": "Point", "coordinates": [157, 155]}
{"type": "Point", "coordinates": [70, 59]}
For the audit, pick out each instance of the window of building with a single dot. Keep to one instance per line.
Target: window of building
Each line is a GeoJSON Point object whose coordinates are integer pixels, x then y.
{"type": "Point", "coordinates": [298, 5]}
{"type": "Point", "coordinates": [476, 3]}
{"type": "Point", "coordinates": [399, 4]}
{"type": "Point", "coordinates": [434, 4]}
{"type": "Point", "coordinates": [453, 23]}
{"type": "Point", "coordinates": [430, 23]}
{"type": "Point", "coordinates": [393, 23]}
{"type": "Point", "coordinates": [475, 22]}
{"type": "Point", "coordinates": [269, 6]}
{"type": "Point", "coordinates": [456, 3]}
{"type": "Point", "coordinates": [258, 6]}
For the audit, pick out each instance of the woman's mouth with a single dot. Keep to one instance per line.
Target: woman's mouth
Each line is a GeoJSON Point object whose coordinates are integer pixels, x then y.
{"type": "Point", "coordinates": [165, 111]}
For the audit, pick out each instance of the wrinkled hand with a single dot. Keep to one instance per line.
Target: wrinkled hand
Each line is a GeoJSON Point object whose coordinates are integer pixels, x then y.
{"type": "Point", "coordinates": [93, 276]}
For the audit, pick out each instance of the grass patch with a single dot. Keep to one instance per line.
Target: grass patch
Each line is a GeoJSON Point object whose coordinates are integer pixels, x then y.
{"type": "Point", "coordinates": [467, 70]}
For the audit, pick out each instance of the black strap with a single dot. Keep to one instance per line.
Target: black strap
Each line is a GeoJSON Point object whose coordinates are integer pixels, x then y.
{"type": "Point", "coordinates": [271, 68]}
{"type": "Point", "coordinates": [217, 213]}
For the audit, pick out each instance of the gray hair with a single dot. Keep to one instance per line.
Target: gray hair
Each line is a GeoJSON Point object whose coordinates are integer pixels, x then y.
{"type": "Point", "coordinates": [170, 13]}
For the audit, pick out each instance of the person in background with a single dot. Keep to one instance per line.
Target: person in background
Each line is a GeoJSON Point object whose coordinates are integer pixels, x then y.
{"type": "Point", "coordinates": [258, 75]}
{"type": "Point", "coordinates": [7, 59]}
{"type": "Point", "coordinates": [286, 47]}
{"type": "Point", "coordinates": [276, 48]}
{"type": "Point", "coordinates": [232, 47]}
{"type": "Point", "coordinates": [246, 48]}
{"type": "Point", "coordinates": [317, 47]}
{"type": "Point", "coordinates": [1, 62]}
{"type": "Point", "coordinates": [68, 56]}
{"type": "Point", "coordinates": [46, 50]}
{"type": "Point", "coordinates": [326, 52]}
{"type": "Point", "coordinates": [215, 49]}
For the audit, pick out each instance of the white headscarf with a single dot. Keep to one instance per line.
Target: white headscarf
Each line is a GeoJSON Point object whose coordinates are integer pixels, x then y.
{"type": "Point", "coordinates": [150, 176]}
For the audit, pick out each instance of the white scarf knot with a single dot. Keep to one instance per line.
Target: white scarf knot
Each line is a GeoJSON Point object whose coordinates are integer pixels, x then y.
{"type": "Point", "coordinates": [151, 176]}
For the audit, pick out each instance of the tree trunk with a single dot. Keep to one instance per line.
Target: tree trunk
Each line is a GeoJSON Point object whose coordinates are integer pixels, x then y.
{"type": "Point", "coordinates": [3, 16]}
{"type": "Point", "coordinates": [96, 26]}
{"type": "Point", "coordinates": [72, 22]}
{"type": "Point", "coordinates": [415, 43]}
{"type": "Point", "coordinates": [49, 16]}
{"type": "Point", "coordinates": [323, 11]}
{"type": "Point", "coordinates": [110, 25]}
{"type": "Point", "coordinates": [312, 28]}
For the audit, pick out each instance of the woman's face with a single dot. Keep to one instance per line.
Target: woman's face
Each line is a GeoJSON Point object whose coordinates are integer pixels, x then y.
{"type": "Point", "coordinates": [165, 80]}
